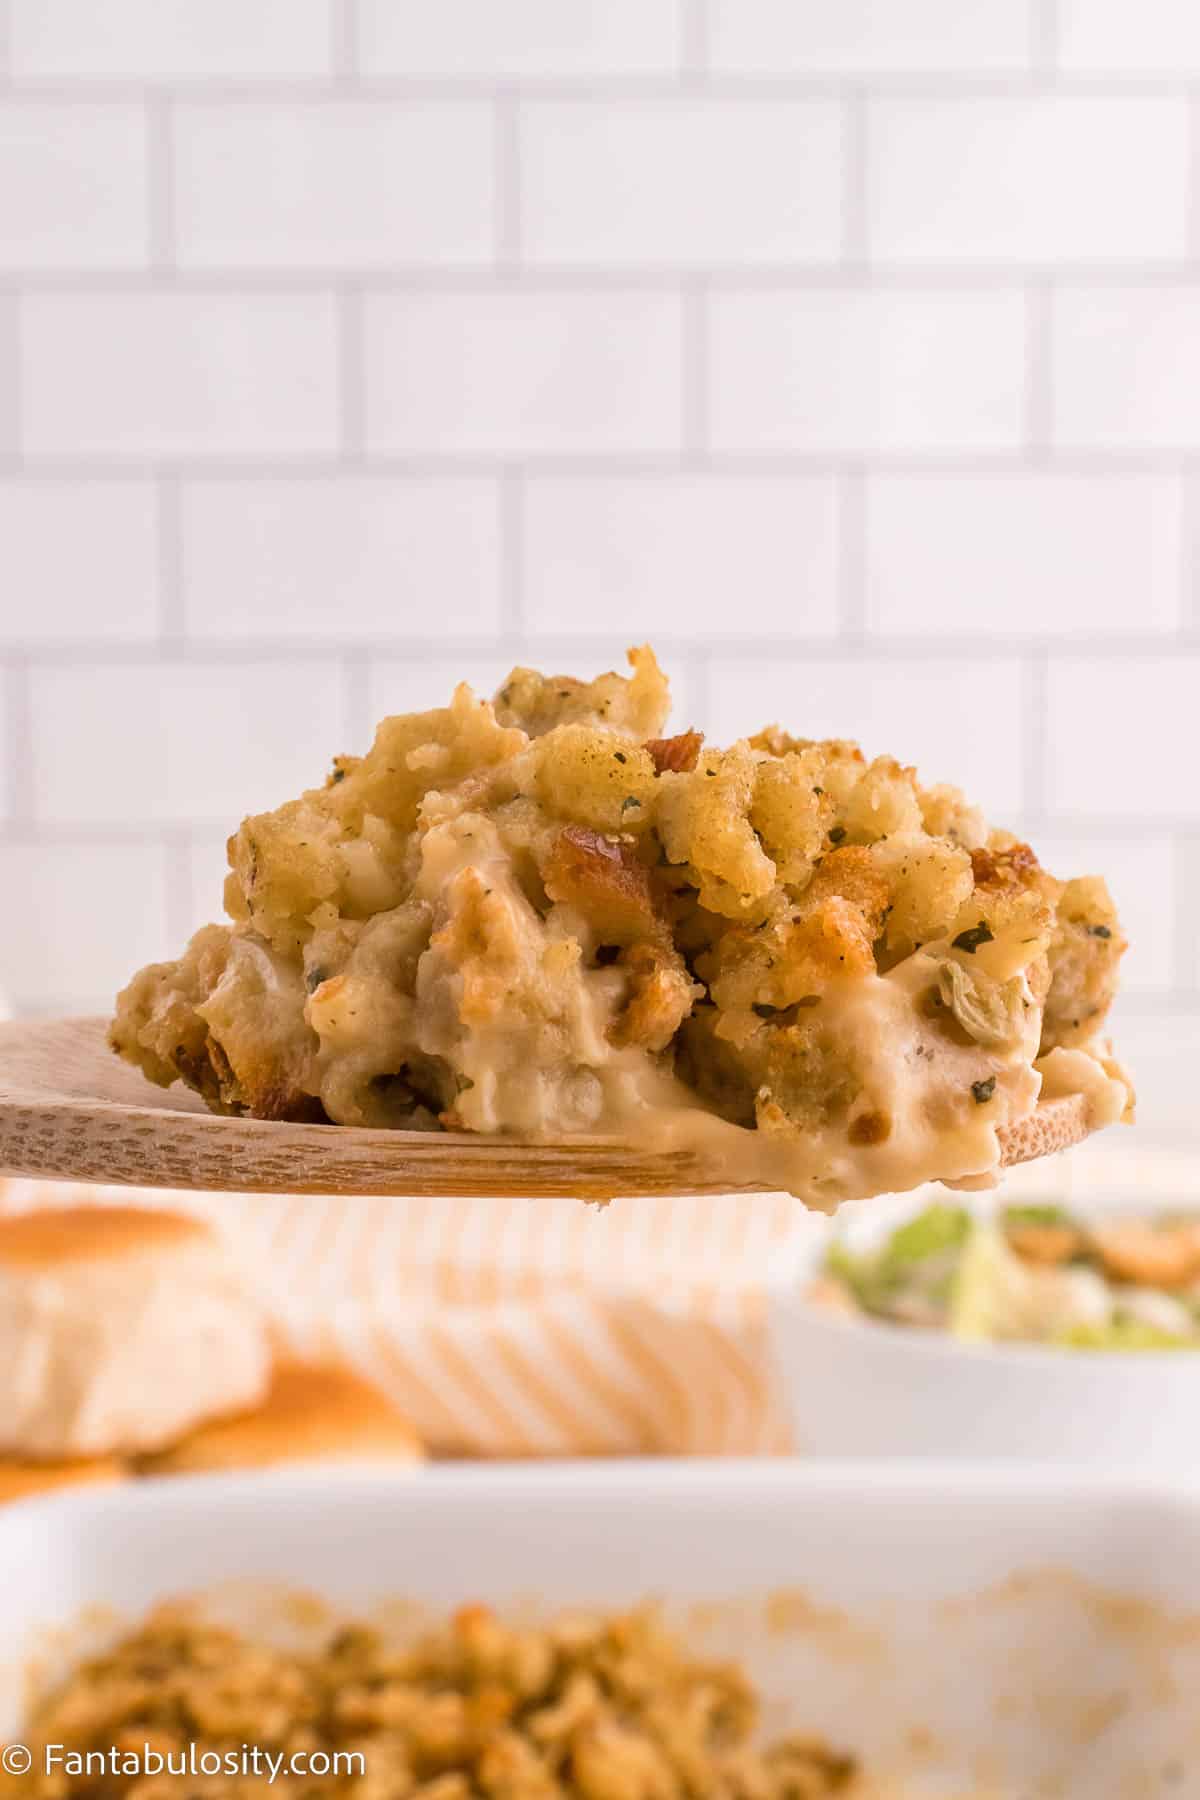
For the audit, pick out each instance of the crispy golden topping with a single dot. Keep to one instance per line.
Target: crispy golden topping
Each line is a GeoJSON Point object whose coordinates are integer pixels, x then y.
{"type": "Point", "coordinates": [604, 878]}
{"type": "Point", "coordinates": [492, 915]}
{"type": "Point", "coordinates": [677, 754]}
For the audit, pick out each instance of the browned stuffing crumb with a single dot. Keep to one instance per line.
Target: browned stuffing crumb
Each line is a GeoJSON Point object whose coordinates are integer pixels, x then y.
{"type": "Point", "coordinates": [607, 1707]}
{"type": "Point", "coordinates": [540, 916]}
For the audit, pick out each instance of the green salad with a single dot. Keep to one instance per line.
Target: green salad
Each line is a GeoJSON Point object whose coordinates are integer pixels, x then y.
{"type": "Point", "coordinates": [1030, 1274]}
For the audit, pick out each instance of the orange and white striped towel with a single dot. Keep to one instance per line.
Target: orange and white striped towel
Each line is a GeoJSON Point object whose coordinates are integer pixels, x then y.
{"type": "Point", "coordinates": [550, 1328]}
{"type": "Point", "coordinates": [519, 1327]}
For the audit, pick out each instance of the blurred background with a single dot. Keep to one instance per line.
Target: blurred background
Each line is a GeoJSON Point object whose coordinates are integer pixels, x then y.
{"type": "Point", "coordinates": [849, 350]}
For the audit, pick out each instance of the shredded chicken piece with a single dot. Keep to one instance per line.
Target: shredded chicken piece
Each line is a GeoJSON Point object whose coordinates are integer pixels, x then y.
{"type": "Point", "coordinates": [541, 915]}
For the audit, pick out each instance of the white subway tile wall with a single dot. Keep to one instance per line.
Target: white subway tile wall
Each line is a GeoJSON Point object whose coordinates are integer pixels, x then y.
{"type": "Point", "coordinates": [169, 40]}
{"type": "Point", "coordinates": [702, 182]}
{"type": "Point", "coordinates": [850, 351]}
{"type": "Point", "coordinates": [74, 186]}
{"type": "Point", "coordinates": [54, 537]}
{"type": "Point", "coordinates": [340, 559]}
{"type": "Point", "coordinates": [1110, 37]}
{"type": "Point", "coordinates": [1123, 736]}
{"type": "Point", "coordinates": [79, 903]}
{"type": "Point", "coordinates": [172, 374]}
{"type": "Point", "coordinates": [872, 37]}
{"type": "Point", "coordinates": [611, 547]}
{"type": "Point", "coordinates": [334, 185]}
{"type": "Point", "coordinates": [519, 40]}
{"type": "Point", "coordinates": [539, 372]}
{"type": "Point", "coordinates": [152, 743]}
{"type": "Point", "coordinates": [1043, 181]}
{"type": "Point", "coordinates": [1125, 367]}
{"type": "Point", "coordinates": [982, 556]}
{"type": "Point", "coordinates": [849, 372]}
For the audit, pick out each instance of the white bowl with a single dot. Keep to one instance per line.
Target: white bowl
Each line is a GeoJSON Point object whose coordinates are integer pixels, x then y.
{"type": "Point", "coordinates": [862, 1387]}
{"type": "Point", "coordinates": [1005, 1631]}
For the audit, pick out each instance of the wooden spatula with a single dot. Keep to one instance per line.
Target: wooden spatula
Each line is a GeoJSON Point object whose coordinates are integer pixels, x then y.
{"type": "Point", "coordinates": [72, 1111]}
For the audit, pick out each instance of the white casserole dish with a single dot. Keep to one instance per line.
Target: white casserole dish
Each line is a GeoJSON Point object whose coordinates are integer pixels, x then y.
{"type": "Point", "coordinates": [863, 1387]}
{"type": "Point", "coordinates": [998, 1633]}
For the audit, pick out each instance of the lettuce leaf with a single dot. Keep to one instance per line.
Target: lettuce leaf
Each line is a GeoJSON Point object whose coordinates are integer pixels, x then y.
{"type": "Point", "coordinates": [1123, 1334]}
{"type": "Point", "coordinates": [929, 1233]}
{"type": "Point", "coordinates": [918, 1260]}
{"type": "Point", "coordinates": [1038, 1215]}
{"type": "Point", "coordinates": [991, 1297]}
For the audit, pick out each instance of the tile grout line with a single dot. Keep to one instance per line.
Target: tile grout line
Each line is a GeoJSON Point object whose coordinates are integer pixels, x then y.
{"type": "Point", "coordinates": [18, 701]}
{"type": "Point", "coordinates": [172, 620]}
{"type": "Point", "coordinates": [852, 502]}
{"type": "Point", "coordinates": [664, 85]}
{"type": "Point", "coordinates": [694, 43]}
{"type": "Point", "coordinates": [12, 382]}
{"type": "Point", "coordinates": [933, 465]}
{"type": "Point", "coordinates": [1192, 242]}
{"type": "Point", "coordinates": [208, 905]}
{"type": "Point", "coordinates": [356, 701]}
{"type": "Point", "coordinates": [179, 897]}
{"type": "Point", "coordinates": [694, 376]}
{"type": "Point", "coordinates": [440, 279]}
{"type": "Point", "coordinates": [1045, 44]}
{"type": "Point", "coordinates": [1039, 372]}
{"type": "Point", "coordinates": [1035, 772]}
{"type": "Point", "coordinates": [855, 197]}
{"type": "Point", "coordinates": [1189, 545]}
{"type": "Point", "coordinates": [1187, 899]}
{"type": "Point", "coordinates": [512, 556]}
{"type": "Point", "coordinates": [506, 183]}
{"type": "Point", "coordinates": [937, 649]}
{"type": "Point", "coordinates": [344, 42]}
{"type": "Point", "coordinates": [160, 185]}
{"type": "Point", "coordinates": [351, 377]}
{"type": "Point", "coordinates": [699, 673]}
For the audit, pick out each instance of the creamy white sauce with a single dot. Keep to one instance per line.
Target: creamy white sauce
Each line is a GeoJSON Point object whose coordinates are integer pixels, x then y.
{"type": "Point", "coordinates": [512, 1008]}
{"type": "Point", "coordinates": [1091, 1073]}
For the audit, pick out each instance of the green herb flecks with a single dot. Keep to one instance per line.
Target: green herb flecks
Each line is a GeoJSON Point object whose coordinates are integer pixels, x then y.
{"type": "Point", "coordinates": [969, 941]}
